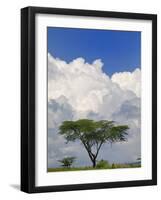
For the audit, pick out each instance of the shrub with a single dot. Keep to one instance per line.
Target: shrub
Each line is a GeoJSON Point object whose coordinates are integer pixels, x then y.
{"type": "Point", "coordinates": [103, 164]}
{"type": "Point", "coordinates": [67, 161]}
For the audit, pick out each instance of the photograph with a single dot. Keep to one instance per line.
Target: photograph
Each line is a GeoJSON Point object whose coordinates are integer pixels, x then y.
{"type": "Point", "coordinates": [93, 99]}
{"type": "Point", "coordinates": [89, 99]}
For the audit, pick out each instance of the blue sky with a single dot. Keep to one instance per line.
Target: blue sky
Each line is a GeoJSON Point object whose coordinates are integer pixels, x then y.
{"type": "Point", "coordinates": [119, 50]}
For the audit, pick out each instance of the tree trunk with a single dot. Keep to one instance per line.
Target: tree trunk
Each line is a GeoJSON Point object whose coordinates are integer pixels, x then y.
{"type": "Point", "coordinates": [94, 163]}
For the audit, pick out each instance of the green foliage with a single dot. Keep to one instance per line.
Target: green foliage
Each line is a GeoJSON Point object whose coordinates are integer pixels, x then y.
{"type": "Point", "coordinates": [103, 164]}
{"type": "Point", "coordinates": [67, 161]}
{"type": "Point", "coordinates": [93, 131]}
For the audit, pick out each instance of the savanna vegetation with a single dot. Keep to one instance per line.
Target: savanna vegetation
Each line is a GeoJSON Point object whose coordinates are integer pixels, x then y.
{"type": "Point", "coordinates": [92, 135]}
{"type": "Point", "coordinates": [102, 164]}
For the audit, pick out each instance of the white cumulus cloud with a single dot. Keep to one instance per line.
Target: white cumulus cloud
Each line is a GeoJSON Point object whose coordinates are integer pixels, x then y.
{"type": "Point", "coordinates": [82, 90]}
{"type": "Point", "coordinates": [129, 81]}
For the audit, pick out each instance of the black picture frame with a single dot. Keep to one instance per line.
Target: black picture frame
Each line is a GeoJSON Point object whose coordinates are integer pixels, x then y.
{"type": "Point", "coordinates": [28, 98]}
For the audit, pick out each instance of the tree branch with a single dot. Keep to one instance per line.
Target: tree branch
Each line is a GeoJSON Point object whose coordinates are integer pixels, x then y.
{"type": "Point", "coordinates": [88, 150]}
{"type": "Point", "coordinates": [98, 149]}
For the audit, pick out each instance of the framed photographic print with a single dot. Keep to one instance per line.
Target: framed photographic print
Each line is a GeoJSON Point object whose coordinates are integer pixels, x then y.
{"type": "Point", "coordinates": [88, 99]}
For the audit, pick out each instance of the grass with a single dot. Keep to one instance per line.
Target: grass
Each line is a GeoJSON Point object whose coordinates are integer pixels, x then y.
{"type": "Point", "coordinates": [113, 166]}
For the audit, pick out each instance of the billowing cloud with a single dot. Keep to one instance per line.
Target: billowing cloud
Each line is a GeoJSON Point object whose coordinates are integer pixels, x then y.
{"type": "Point", "coordinates": [128, 81]}
{"type": "Point", "coordinates": [82, 90]}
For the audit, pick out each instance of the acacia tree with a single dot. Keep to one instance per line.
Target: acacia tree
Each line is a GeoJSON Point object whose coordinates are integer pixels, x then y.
{"type": "Point", "coordinates": [93, 134]}
{"type": "Point", "coordinates": [67, 161]}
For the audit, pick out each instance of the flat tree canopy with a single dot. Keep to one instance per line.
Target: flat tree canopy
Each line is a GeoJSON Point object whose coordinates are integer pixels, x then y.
{"type": "Point", "coordinates": [93, 134]}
